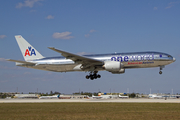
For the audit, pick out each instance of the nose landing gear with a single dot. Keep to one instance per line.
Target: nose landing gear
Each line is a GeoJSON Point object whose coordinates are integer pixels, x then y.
{"type": "Point", "coordinates": [161, 67]}
{"type": "Point", "coordinates": [93, 76]}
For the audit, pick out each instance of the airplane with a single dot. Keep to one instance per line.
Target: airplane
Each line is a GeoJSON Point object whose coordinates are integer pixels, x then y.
{"type": "Point", "coordinates": [49, 97]}
{"type": "Point", "coordinates": [97, 97]}
{"type": "Point", "coordinates": [120, 96]}
{"type": "Point", "coordinates": [116, 63]}
{"type": "Point", "coordinates": [155, 96]}
{"type": "Point", "coordinates": [108, 96]}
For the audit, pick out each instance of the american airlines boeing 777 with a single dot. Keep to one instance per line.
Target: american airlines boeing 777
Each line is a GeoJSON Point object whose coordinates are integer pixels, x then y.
{"type": "Point", "coordinates": [115, 63]}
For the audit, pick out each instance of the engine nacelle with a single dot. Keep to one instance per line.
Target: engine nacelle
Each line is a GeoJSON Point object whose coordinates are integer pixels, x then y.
{"type": "Point", "coordinates": [113, 67]}
{"type": "Point", "coordinates": [121, 71]}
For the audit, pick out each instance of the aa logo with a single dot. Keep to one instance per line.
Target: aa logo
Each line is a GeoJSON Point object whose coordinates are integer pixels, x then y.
{"type": "Point", "coordinates": [30, 52]}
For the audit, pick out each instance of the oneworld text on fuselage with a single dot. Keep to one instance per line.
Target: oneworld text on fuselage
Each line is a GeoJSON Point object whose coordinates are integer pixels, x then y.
{"type": "Point", "coordinates": [133, 58]}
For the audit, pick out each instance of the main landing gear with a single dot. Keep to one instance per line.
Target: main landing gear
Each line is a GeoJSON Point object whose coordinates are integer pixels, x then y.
{"type": "Point", "coordinates": [93, 75]}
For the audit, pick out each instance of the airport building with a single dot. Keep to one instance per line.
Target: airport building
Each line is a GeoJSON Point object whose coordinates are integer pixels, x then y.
{"type": "Point", "coordinates": [163, 96]}
{"type": "Point", "coordinates": [63, 96]}
{"type": "Point", "coordinates": [21, 96]}
{"type": "Point", "coordinates": [97, 96]}
{"type": "Point", "coordinates": [72, 96]}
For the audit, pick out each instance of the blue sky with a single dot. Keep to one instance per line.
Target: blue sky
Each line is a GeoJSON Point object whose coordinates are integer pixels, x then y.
{"type": "Point", "coordinates": [86, 26]}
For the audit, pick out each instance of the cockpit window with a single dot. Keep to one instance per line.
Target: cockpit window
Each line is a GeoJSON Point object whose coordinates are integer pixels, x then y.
{"type": "Point", "coordinates": [169, 56]}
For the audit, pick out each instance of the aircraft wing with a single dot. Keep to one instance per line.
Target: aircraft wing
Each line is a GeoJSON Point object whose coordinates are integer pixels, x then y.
{"type": "Point", "coordinates": [24, 62]}
{"type": "Point", "coordinates": [78, 58]}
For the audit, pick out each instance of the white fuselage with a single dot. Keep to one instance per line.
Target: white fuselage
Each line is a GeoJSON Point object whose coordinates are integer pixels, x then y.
{"type": "Point", "coordinates": [128, 60]}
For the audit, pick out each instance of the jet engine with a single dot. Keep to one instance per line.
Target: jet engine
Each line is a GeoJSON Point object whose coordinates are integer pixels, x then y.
{"type": "Point", "coordinates": [114, 67]}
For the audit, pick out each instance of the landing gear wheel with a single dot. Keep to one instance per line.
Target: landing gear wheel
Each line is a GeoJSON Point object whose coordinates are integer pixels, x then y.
{"type": "Point", "coordinates": [98, 76]}
{"type": "Point", "coordinates": [87, 76]}
{"type": "Point", "coordinates": [160, 72]}
{"type": "Point", "coordinates": [93, 75]}
{"type": "Point", "coordinates": [92, 78]}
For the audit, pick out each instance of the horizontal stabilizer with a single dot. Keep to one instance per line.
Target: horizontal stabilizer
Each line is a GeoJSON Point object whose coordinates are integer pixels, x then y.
{"type": "Point", "coordinates": [23, 62]}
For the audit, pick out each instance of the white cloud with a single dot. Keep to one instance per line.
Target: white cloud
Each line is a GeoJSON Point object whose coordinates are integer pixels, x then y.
{"type": "Point", "coordinates": [91, 31]}
{"type": "Point", "coordinates": [50, 17]}
{"type": "Point", "coordinates": [27, 3]}
{"type": "Point", "coordinates": [2, 59]}
{"type": "Point", "coordinates": [86, 35]}
{"type": "Point", "coordinates": [155, 8]}
{"type": "Point", "coordinates": [171, 4]}
{"type": "Point", "coordinates": [2, 36]}
{"type": "Point", "coordinates": [63, 35]}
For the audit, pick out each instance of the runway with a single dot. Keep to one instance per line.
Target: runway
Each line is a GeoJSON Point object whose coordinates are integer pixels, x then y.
{"type": "Point", "coordinates": [90, 100]}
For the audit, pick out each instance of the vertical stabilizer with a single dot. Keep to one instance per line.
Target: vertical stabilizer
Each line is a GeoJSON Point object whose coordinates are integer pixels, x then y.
{"type": "Point", "coordinates": [27, 50]}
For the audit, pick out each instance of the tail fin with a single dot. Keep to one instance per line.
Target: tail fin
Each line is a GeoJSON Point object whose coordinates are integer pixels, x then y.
{"type": "Point", "coordinates": [27, 50]}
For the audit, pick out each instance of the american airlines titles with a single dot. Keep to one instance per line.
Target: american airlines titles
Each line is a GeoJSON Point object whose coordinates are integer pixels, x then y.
{"type": "Point", "coordinates": [137, 58]}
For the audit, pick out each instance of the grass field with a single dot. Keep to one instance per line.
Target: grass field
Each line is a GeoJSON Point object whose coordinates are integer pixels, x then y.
{"type": "Point", "coordinates": [90, 111]}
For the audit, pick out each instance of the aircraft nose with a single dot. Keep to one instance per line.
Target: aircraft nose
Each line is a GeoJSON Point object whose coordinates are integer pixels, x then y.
{"type": "Point", "coordinates": [174, 59]}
